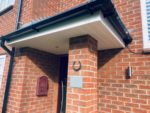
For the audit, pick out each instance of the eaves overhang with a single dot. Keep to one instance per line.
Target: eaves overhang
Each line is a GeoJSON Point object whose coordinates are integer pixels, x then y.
{"type": "Point", "coordinates": [104, 7]}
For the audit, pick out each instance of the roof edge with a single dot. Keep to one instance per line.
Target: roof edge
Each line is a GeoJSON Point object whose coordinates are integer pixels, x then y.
{"type": "Point", "coordinates": [106, 6]}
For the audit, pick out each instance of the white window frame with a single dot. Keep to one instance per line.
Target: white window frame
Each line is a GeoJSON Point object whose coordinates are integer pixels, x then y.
{"type": "Point", "coordinates": [146, 41]}
{"type": "Point", "coordinates": [2, 63]}
{"type": "Point", "coordinates": [4, 4]}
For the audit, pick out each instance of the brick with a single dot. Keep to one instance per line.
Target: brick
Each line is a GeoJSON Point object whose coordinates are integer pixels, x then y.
{"type": "Point", "coordinates": [117, 94]}
{"type": "Point", "coordinates": [130, 86]}
{"type": "Point", "coordinates": [117, 85]}
{"type": "Point", "coordinates": [145, 107]}
{"type": "Point", "coordinates": [139, 91]}
{"type": "Point", "coordinates": [106, 109]}
{"type": "Point", "coordinates": [112, 97]}
{"type": "Point", "coordinates": [124, 99]}
{"type": "Point", "coordinates": [124, 108]}
{"type": "Point", "coordinates": [132, 105]}
{"type": "Point", "coordinates": [144, 96]}
{"type": "Point", "coordinates": [111, 106]}
{"type": "Point", "coordinates": [131, 95]}
{"type": "Point", "coordinates": [139, 101]}
{"type": "Point", "coordinates": [139, 110]}
{"type": "Point", "coordinates": [146, 87]}
{"type": "Point", "coordinates": [117, 111]}
{"type": "Point", "coordinates": [117, 102]}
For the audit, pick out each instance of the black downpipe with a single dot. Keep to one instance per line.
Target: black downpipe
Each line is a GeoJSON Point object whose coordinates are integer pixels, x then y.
{"type": "Point", "coordinates": [8, 82]}
{"type": "Point", "coordinates": [19, 14]}
{"type": "Point", "coordinates": [11, 64]}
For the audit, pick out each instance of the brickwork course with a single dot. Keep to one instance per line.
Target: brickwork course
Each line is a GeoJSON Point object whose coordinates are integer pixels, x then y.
{"type": "Point", "coordinates": [109, 90]}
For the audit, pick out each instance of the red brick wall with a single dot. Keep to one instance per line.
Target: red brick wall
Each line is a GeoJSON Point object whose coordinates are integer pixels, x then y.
{"type": "Point", "coordinates": [27, 12]}
{"type": "Point", "coordinates": [8, 20]}
{"type": "Point", "coordinates": [46, 8]}
{"type": "Point", "coordinates": [29, 66]}
{"type": "Point", "coordinates": [83, 99]}
{"type": "Point", "coordinates": [35, 10]}
{"type": "Point", "coordinates": [116, 93]}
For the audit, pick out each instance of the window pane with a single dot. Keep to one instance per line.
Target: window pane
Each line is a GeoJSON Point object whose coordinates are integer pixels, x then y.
{"type": "Point", "coordinates": [148, 16]}
{"type": "Point", "coordinates": [11, 2]}
{"type": "Point", "coordinates": [6, 3]}
{"type": "Point", "coordinates": [0, 4]}
{"type": "Point", "coordinates": [2, 64]}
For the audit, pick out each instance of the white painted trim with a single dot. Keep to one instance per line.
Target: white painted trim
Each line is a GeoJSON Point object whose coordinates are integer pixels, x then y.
{"type": "Point", "coordinates": [2, 63]}
{"type": "Point", "coordinates": [146, 41]}
{"type": "Point", "coordinates": [110, 28]}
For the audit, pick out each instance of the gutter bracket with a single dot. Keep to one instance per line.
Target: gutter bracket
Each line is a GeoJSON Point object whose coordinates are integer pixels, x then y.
{"type": "Point", "coordinates": [108, 13]}
{"type": "Point", "coordinates": [89, 9]}
{"type": "Point", "coordinates": [37, 30]}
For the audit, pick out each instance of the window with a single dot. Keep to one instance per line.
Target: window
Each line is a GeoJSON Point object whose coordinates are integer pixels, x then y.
{"type": "Point", "coordinates": [2, 64]}
{"type": "Point", "coordinates": [145, 13]}
{"type": "Point", "coordinates": [4, 4]}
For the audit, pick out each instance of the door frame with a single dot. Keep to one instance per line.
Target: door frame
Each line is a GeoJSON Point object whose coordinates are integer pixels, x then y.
{"type": "Point", "coordinates": [63, 59]}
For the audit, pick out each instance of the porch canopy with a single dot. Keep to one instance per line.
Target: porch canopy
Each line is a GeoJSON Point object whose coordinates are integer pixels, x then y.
{"type": "Point", "coordinates": [98, 19]}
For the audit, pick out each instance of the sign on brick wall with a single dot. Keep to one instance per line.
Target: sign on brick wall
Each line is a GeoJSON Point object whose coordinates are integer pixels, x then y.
{"type": "Point", "coordinates": [42, 86]}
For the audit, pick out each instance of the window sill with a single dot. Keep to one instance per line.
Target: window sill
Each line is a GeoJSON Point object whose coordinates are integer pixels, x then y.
{"type": "Point", "coordinates": [147, 50]}
{"type": "Point", "coordinates": [146, 44]}
{"type": "Point", "coordinates": [6, 10]}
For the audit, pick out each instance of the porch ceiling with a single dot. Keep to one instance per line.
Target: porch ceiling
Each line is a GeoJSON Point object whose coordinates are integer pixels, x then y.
{"type": "Point", "coordinates": [55, 39]}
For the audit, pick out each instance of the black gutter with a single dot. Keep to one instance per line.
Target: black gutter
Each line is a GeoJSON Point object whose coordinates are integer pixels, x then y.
{"type": "Point", "coordinates": [111, 14]}
{"type": "Point", "coordinates": [9, 76]}
{"type": "Point", "coordinates": [77, 11]}
{"type": "Point", "coordinates": [106, 6]}
{"type": "Point", "coordinates": [19, 14]}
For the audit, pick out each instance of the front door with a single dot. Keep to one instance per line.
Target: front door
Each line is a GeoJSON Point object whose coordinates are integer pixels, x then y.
{"type": "Point", "coordinates": [63, 83]}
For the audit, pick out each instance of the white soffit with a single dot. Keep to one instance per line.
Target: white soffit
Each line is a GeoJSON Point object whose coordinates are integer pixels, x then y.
{"type": "Point", "coordinates": [55, 39]}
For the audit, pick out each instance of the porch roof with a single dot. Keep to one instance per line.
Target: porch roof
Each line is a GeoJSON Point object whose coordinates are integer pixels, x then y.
{"type": "Point", "coordinates": [97, 18]}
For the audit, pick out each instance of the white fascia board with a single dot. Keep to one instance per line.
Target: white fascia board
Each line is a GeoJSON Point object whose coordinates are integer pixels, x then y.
{"type": "Point", "coordinates": [71, 24]}
{"type": "Point", "coordinates": [110, 28]}
{"type": "Point", "coordinates": [80, 21]}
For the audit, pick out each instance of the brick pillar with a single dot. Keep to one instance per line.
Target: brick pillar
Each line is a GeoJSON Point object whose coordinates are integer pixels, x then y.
{"type": "Point", "coordinates": [82, 96]}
